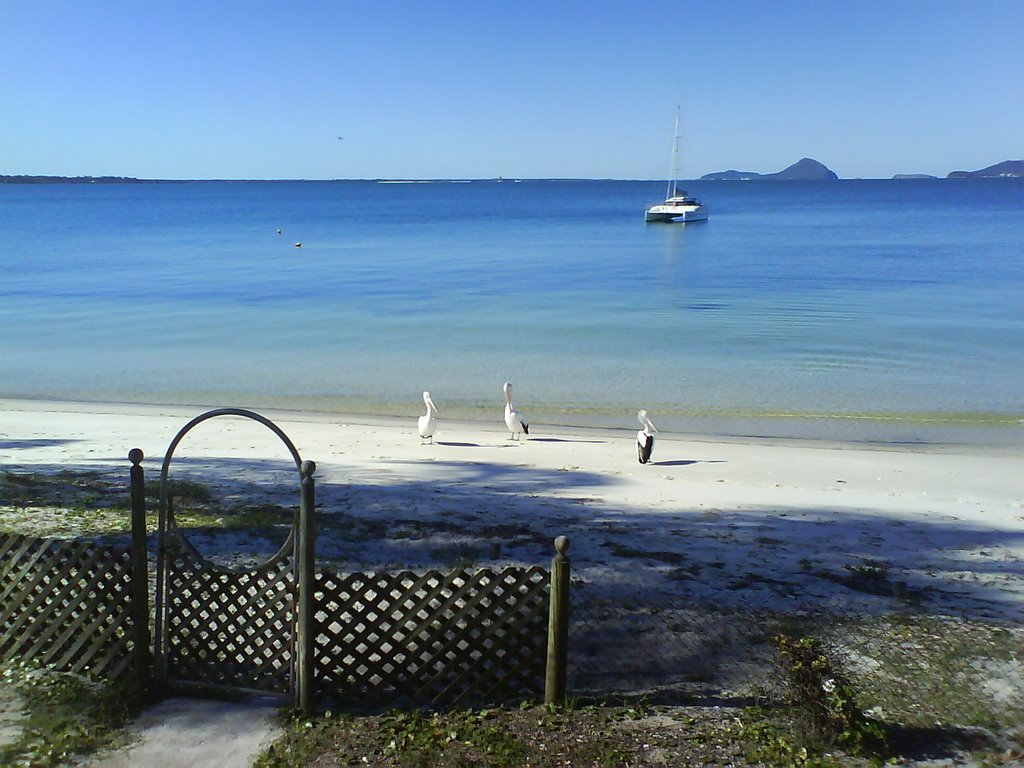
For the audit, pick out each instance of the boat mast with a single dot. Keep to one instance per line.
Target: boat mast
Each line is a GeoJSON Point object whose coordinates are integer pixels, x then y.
{"type": "Point", "coordinates": [674, 168]}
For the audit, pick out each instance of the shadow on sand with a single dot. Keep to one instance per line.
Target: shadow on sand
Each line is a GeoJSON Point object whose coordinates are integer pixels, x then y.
{"type": "Point", "coordinates": [20, 445]}
{"type": "Point", "coordinates": [778, 557]}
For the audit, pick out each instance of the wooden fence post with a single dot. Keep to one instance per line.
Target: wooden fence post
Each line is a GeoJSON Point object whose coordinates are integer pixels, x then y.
{"type": "Point", "coordinates": [558, 625]}
{"type": "Point", "coordinates": [140, 571]}
{"type": "Point", "coordinates": [305, 631]}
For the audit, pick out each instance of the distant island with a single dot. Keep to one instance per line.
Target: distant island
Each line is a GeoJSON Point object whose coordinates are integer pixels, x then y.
{"type": "Point", "coordinates": [802, 170]}
{"type": "Point", "coordinates": [24, 179]}
{"type": "Point", "coordinates": [1008, 169]}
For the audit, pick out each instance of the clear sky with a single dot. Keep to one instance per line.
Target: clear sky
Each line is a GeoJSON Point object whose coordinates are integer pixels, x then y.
{"type": "Point", "coordinates": [478, 89]}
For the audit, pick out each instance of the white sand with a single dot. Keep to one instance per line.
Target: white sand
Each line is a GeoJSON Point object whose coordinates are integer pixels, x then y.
{"type": "Point", "coordinates": [752, 523]}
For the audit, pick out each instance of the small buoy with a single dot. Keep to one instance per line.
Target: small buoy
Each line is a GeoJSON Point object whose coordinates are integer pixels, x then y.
{"type": "Point", "coordinates": [298, 245]}
{"type": "Point", "coordinates": [279, 230]}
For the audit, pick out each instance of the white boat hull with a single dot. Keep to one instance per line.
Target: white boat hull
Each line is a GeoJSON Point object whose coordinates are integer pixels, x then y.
{"type": "Point", "coordinates": [681, 213]}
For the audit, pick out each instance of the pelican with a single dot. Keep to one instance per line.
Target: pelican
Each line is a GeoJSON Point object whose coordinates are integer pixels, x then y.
{"type": "Point", "coordinates": [645, 437]}
{"type": "Point", "coordinates": [514, 420]}
{"type": "Point", "coordinates": [427, 422]}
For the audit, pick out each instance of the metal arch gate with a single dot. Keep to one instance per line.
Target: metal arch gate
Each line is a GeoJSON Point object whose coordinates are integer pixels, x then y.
{"type": "Point", "coordinates": [229, 629]}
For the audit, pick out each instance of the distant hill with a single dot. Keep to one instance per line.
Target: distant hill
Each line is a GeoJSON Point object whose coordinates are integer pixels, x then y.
{"type": "Point", "coordinates": [914, 176]}
{"type": "Point", "coordinates": [802, 170]}
{"type": "Point", "coordinates": [1008, 169]}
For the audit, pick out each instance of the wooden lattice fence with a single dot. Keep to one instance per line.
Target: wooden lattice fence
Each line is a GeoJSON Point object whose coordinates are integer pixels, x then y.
{"type": "Point", "coordinates": [381, 638]}
{"type": "Point", "coordinates": [432, 637]}
{"type": "Point", "coordinates": [66, 604]}
{"type": "Point", "coordinates": [284, 627]}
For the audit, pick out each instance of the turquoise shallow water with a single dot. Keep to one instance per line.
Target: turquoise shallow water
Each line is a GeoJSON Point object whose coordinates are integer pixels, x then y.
{"type": "Point", "coordinates": [888, 310]}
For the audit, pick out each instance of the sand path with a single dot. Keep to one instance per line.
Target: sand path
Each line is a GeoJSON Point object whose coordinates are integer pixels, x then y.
{"type": "Point", "coordinates": [195, 733]}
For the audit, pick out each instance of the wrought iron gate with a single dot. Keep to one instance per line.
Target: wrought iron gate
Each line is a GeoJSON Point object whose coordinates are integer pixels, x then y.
{"type": "Point", "coordinates": [226, 628]}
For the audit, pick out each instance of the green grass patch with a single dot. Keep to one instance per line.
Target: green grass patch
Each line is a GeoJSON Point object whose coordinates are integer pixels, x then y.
{"type": "Point", "coordinates": [595, 735]}
{"type": "Point", "coordinates": [460, 555]}
{"type": "Point", "coordinates": [825, 701]}
{"type": "Point", "coordinates": [531, 735]}
{"type": "Point", "coordinates": [618, 549]}
{"type": "Point", "coordinates": [919, 670]}
{"type": "Point", "coordinates": [93, 504]}
{"type": "Point", "coordinates": [65, 716]}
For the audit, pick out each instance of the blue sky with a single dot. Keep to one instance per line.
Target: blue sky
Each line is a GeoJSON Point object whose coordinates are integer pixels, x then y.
{"type": "Point", "coordinates": [226, 89]}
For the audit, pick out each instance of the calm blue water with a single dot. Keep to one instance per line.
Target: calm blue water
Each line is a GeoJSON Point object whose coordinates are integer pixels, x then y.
{"type": "Point", "coordinates": [890, 310]}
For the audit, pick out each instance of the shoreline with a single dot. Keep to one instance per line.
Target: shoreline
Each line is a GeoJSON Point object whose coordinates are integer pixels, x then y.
{"type": "Point", "coordinates": [983, 433]}
{"type": "Point", "coordinates": [759, 523]}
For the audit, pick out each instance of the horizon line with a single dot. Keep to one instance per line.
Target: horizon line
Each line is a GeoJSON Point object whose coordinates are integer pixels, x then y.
{"type": "Point", "coordinates": [113, 179]}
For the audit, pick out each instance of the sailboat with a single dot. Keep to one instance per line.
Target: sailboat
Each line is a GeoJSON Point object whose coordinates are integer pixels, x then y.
{"type": "Point", "coordinates": [678, 206]}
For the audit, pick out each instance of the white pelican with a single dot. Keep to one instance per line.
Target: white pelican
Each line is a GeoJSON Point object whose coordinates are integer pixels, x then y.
{"type": "Point", "coordinates": [514, 420]}
{"type": "Point", "coordinates": [645, 437]}
{"type": "Point", "coordinates": [427, 423]}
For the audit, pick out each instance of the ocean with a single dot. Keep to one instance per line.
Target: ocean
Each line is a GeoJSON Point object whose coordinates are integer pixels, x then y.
{"type": "Point", "coordinates": [888, 311]}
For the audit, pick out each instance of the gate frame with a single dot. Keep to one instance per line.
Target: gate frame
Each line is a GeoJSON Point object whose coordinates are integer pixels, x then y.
{"type": "Point", "coordinates": [301, 539]}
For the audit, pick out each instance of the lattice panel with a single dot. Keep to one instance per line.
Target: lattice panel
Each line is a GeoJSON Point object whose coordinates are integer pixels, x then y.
{"type": "Point", "coordinates": [229, 629]}
{"type": "Point", "coordinates": [66, 603]}
{"type": "Point", "coordinates": [433, 637]}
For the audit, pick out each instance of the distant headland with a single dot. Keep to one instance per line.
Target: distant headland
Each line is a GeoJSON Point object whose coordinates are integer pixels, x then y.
{"type": "Point", "coordinates": [802, 170]}
{"type": "Point", "coordinates": [1008, 169]}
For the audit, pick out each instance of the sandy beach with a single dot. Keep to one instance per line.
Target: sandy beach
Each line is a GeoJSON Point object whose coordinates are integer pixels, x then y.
{"type": "Point", "coordinates": [752, 523]}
